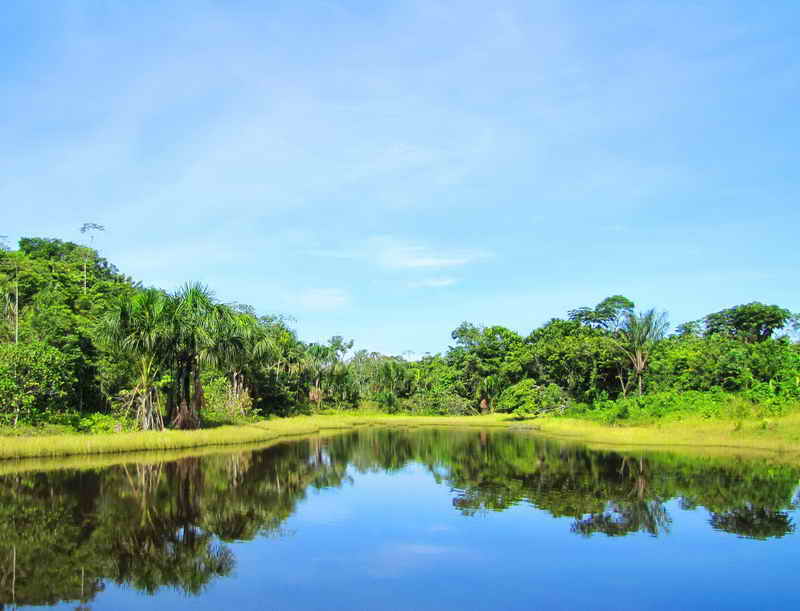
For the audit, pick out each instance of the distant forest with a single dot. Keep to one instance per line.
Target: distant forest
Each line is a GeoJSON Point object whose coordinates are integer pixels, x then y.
{"type": "Point", "coordinates": [84, 347]}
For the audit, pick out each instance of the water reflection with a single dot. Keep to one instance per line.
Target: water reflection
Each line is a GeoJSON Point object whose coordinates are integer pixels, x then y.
{"type": "Point", "coordinates": [65, 534]}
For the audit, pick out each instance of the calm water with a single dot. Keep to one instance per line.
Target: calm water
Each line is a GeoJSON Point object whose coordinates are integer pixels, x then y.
{"type": "Point", "coordinates": [405, 520]}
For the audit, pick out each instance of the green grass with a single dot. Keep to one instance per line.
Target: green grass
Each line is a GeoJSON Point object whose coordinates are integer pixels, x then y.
{"type": "Point", "coordinates": [773, 436]}
{"type": "Point", "coordinates": [267, 430]}
{"type": "Point", "coordinates": [701, 435]}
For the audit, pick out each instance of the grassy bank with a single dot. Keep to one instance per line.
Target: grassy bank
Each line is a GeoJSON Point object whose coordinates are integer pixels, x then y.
{"type": "Point", "coordinates": [775, 436]}
{"type": "Point", "coordinates": [258, 432]}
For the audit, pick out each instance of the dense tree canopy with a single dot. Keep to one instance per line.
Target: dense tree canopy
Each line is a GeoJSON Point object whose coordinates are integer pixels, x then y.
{"type": "Point", "coordinates": [91, 342]}
{"type": "Point", "coordinates": [751, 322]}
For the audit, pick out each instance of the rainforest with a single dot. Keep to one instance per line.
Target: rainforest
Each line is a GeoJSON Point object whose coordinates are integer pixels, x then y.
{"type": "Point", "coordinates": [85, 348]}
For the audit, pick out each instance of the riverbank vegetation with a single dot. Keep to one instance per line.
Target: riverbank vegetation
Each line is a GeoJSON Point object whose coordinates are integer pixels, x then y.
{"type": "Point", "coordinates": [85, 348]}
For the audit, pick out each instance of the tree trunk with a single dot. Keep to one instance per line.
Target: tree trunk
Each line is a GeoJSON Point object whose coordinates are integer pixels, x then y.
{"type": "Point", "coordinates": [198, 397]}
{"type": "Point", "coordinates": [187, 414]}
{"type": "Point", "coordinates": [484, 406]}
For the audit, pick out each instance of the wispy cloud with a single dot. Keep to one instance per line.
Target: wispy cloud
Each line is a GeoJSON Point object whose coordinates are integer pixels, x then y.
{"type": "Point", "coordinates": [394, 253]}
{"type": "Point", "coordinates": [432, 283]}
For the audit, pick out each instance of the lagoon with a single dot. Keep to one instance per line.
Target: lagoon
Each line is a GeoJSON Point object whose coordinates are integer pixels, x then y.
{"type": "Point", "coordinates": [405, 519]}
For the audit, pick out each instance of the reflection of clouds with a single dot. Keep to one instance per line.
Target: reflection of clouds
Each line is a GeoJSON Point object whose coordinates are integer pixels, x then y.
{"type": "Point", "coordinates": [399, 559]}
{"type": "Point", "coordinates": [324, 510]}
{"type": "Point", "coordinates": [440, 528]}
{"type": "Point", "coordinates": [416, 548]}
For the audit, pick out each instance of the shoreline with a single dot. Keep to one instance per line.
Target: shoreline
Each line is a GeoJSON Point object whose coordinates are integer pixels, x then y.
{"type": "Point", "coordinates": [777, 438]}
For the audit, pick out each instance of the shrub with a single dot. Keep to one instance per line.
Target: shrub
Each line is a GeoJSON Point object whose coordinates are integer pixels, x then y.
{"type": "Point", "coordinates": [759, 402]}
{"type": "Point", "coordinates": [104, 423]}
{"type": "Point", "coordinates": [34, 379]}
{"type": "Point", "coordinates": [387, 401]}
{"type": "Point", "coordinates": [436, 402]}
{"type": "Point", "coordinates": [528, 398]}
{"type": "Point", "coordinates": [222, 406]}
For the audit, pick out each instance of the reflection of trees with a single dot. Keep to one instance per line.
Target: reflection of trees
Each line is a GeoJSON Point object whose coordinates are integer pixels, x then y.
{"type": "Point", "coordinates": [157, 542]}
{"type": "Point", "coordinates": [622, 518]}
{"type": "Point", "coordinates": [62, 534]}
{"type": "Point", "coordinates": [604, 492]}
{"type": "Point", "coordinates": [146, 526]}
{"type": "Point", "coordinates": [753, 522]}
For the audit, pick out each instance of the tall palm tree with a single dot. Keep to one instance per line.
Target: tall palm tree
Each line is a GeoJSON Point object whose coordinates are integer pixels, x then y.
{"type": "Point", "coordinates": [140, 328]}
{"type": "Point", "coordinates": [316, 360]}
{"type": "Point", "coordinates": [636, 337]}
{"type": "Point", "coordinates": [244, 342]}
{"type": "Point", "coordinates": [203, 335]}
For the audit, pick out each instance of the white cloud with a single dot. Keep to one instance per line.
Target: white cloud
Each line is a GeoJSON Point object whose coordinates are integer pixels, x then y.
{"type": "Point", "coordinates": [432, 283]}
{"type": "Point", "coordinates": [393, 253]}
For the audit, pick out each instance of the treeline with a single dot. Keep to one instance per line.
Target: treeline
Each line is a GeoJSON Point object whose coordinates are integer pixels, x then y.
{"type": "Point", "coordinates": [85, 346]}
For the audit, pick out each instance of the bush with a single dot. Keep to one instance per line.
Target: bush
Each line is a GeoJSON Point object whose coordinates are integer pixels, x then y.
{"type": "Point", "coordinates": [104, 423]}
{"type": "Point", "coordinates": [692, 363]}
{"type": "Point", "coordinates": [34, 381]}
{"type": "Point", "coordinates": [526, 398]}
{"type": "Point", "coordinates": [222, 406]}
{"type": "Point", "coordinates": [759, 402]}
{"type": "Point", "coordinates": [387, 400]}
{"type": "Point", "coordinates": [438, 402]}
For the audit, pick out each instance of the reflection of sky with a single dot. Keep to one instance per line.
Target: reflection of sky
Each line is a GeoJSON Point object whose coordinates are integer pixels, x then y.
{"type": "Point", "coordinates": [395, 541]}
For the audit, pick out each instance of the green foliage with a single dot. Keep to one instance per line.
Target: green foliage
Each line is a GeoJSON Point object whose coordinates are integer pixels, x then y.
{"type": "Point", "coordinates": [104, 423]}
{"type": "Point", "coordinates": [526, 398]}
{"type": "Point", "coordinates": [183, 358]}
{"type": "Point", "coordinates": [387, 400]}
{"type": "Point", "coordinates": [693, 363]}
{"type": "Point", "coordinates": [34, 379]}
{"type": "Point", "coordinates": [438, 402]}
{"type": "Point", "coordinates": [609, 314]}
{"type": "Point", "coordinates": [751, 322]}
{"type": "Point", "coordinates": [223, 405]}
{"type": "Point", "coordinates": [672, 405]}
{"type": "Point", "coordinates": [637, 337]}
{"type": "Point", "coordinates": [586, 362]}
{"type": "Point", "coordinates": [486, 351]}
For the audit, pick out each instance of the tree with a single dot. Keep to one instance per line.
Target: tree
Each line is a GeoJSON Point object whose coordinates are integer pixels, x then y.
{"type": "Point", "coordinates": [202, 333]}
{"type": "Point", "coordinates": [33, 376]}
{"type": "Point", "coordinates": [692, 328]}
{"type": "Point", "coordinates": [89, 228]}
{"type": "Point", "coordinates": [140, 328]}
{"type": "Point", "coordinates": [487, 392]}
{"type": "Point", "coordinates": [636, 337]}
{"type": "Point", "coordinates": [322, 362]}
{"type": "Point", "coordinates": [246, 341]}
{"type": "Point", "coordinates": [583, 360]}
{"type": "Point", "coordinates": [483, 351]}
{"type": "Point", "coordinates": [750, 323]}
{"type": "Point", "coordinates": [609, 314]}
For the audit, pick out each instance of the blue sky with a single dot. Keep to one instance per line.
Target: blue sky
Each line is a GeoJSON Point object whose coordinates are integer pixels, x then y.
{"type": "Point", "coordinates": [385, 171]}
